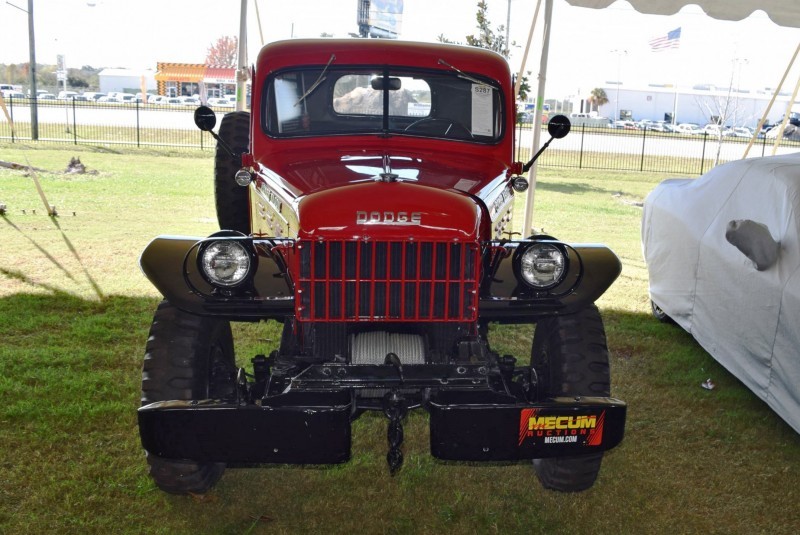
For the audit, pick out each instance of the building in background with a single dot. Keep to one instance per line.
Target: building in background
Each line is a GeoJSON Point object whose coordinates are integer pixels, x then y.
{"type": "Point", "coordinates": [701, 104]}
{"type": "Point", "coordinates": [188, 79]}
{"type": "Point", "coordinates": [380, 18]}
{"type": "Point", "coordinates": [126, 80]}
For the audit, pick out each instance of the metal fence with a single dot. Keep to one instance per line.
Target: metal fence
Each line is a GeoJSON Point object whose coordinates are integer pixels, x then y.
{"type": "Point", "coordinates": [100, 123]}
{"type": "Point", "coordinates": [646, 150]}
{"type": "Point", "coordinates": [142, 125]}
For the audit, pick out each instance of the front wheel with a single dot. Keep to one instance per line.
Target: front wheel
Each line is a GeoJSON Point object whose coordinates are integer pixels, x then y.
{"type": "Point", "coordinates": [570, 356]}
{"type": "Point", "coordinates": [187, 357]}
{"type": "Point", "coordinates": [659, 314]}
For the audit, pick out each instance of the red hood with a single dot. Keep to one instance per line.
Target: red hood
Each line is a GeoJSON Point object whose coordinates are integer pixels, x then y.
{"type": "Point", "coordinates": [456, 171]}
{"type": "Point", "coordinates": [388, 211]}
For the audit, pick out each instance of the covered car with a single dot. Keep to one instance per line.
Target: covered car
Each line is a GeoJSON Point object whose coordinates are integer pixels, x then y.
{"type": "Point", "coordinates": [723, 257]}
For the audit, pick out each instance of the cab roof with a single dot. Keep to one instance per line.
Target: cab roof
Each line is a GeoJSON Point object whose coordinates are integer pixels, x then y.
{"type": "Point", "coordinates": [296, 52]}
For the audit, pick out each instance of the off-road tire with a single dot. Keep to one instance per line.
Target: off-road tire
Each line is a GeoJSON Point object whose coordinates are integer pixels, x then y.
{"type": "Point", "coordinates": [186, 357]}
{"type": "Point", "coordinates": [571, 356]}
{"type": "Point", "coordinates": [232, 200]}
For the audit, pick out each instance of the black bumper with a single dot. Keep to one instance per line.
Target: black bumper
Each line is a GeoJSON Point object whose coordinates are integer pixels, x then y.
{"type": "Point", "coordinates": [314, 428]}
{"type": "Point", "coordinates": [293, 428]}
{"type": "Point", "coordinates": [484, 428]}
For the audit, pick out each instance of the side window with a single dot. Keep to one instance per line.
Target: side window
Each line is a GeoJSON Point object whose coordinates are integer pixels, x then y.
{"type": "Point", "coordinates": [358, 94]}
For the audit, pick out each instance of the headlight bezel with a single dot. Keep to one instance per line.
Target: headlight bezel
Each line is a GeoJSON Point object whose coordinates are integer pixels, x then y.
{"type": "Point", "coordinates": [228, 239]}
{"type": "Point", "coordinates": [530, 248]}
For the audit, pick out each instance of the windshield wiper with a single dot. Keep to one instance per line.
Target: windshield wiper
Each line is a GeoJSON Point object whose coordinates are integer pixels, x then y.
{"type": "Point", "coordinates": [320, 79]}
{"type": "Point", "coordinates": [463, 75]}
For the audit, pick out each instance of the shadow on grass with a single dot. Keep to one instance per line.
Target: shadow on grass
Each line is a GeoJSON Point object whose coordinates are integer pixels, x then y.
{"type": "Point", "coordinates": [23, 278]}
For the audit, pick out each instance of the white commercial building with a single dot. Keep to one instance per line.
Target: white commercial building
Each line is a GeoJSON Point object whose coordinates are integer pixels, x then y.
{"type": "Point", "coordinates": [700, 105]}
{"type": "Point", "coordinates": [126, 81]}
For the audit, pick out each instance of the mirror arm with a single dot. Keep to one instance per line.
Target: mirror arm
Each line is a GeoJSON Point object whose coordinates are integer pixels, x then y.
{"type": "Point", "coordinates": [527, 166]}
{"type": "Point", "coordinates": [225, 146]}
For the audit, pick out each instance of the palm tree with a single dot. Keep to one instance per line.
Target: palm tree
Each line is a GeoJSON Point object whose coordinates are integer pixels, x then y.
{"type": "Point", "coordinates": [597, 98]}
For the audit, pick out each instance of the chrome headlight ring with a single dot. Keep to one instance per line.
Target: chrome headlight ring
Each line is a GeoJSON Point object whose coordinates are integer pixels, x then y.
{"type": "Point", "coordinates": [541, 266]}
{"type": "Point", "coordinates": [227, 260]}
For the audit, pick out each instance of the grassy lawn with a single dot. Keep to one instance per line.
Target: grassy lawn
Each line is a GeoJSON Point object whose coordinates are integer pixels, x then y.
{"type": "Point", "coordinates": [74, 315]}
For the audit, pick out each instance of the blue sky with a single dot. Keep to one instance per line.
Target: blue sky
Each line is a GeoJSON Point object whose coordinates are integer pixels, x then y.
{"type": "Point", "coordinates": [121, 33]}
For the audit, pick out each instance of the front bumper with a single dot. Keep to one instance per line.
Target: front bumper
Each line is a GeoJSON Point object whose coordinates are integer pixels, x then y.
{"type": "Point", "coordinates": [314, 427]}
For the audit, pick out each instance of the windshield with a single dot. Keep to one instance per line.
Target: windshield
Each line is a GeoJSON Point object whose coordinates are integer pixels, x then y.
{"type": "Point", "coordinates": [334, 101]}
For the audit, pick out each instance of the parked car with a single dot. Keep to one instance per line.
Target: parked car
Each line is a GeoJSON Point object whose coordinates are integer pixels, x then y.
{"type": "Point", "coordinates": [741, 131]}
{"type": "Point", "coordinates": [45, 96]}
{"type": "Point", "coordinates": [66, 95]}
{"type": "Point", "coordinates": [93, 95]}
{"type": "Point", "coordinates": [689, 129]}
{"type": "Point", "coordinates": [723, 257]}
{"type": "Point", "coordinates": [156, 100]}
{"type": "Point", "coordinates": [712, 130]}
{"type": "Point", "coordinates": [625, 125]}
{"type": "Point", "coordinates": [16, 95]}
{"type": "Point", "coordinates": [220, 103]}
{"type": "Point", "coordinates": [190, 101]}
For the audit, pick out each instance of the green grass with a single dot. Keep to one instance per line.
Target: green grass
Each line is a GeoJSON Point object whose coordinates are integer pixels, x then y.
{"type": "Point", "coordinates": [74, 316]}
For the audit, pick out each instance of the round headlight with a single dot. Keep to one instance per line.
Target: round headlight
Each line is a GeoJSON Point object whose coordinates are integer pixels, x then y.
{"type": "Point", "coordinates": [225, 263]}
{"type": "Point", "coordinates": [542, 265]}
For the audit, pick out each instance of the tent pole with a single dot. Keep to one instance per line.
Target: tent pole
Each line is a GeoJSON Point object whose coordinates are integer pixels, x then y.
{"type": "Point", "coordinates": [771, 102]}
{"type": "Point", "coordinates": [525, 54]}
{"type": "Point", "coordinates": [779, 137]}
{"type": "Point", "coordinates": [241, 66]}
{"type": "Point", "coordinates": [537, 120]}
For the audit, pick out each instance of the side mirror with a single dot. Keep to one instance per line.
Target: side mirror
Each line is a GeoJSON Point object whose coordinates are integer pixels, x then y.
{"type": "Point", "coordinates": [559, 126]}
{"type": "Point", "coordinates": [205, 119]}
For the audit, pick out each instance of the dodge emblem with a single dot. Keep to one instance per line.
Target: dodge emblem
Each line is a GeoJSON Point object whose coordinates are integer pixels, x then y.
{"type": "Point", "coordinates": [388, 218]}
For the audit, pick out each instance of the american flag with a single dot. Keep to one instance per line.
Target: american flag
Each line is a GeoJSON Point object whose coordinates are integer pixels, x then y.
{"type": "Point", "coordinates": [671, 40]}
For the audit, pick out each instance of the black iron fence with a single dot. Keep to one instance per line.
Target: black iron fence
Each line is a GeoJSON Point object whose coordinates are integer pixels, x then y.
{"type": "Point", "coordinates": [105, 123]}
{"type": "Point", "coordinates": [172, 125]}
{"type": "Point", "coordinates": [646, 150]}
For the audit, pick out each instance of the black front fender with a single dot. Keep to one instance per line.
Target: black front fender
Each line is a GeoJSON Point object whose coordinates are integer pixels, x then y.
{"type": "Point", "coordinates": [170, 263]}
{"type": "Point", "coordinates": [592, 270]}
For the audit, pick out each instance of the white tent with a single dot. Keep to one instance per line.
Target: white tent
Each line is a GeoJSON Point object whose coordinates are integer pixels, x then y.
{"type": "Point", "coordinates": [782, 12]}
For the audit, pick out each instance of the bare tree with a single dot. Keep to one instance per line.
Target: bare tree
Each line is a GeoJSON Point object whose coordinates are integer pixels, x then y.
{"type": "Point", "coordinates": [224, 52]}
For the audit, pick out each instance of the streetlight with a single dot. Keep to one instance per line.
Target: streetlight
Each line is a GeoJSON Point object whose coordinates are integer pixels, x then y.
{"type": "Point", "coordinates": [32, 50]}
{"type": "Point", "coordinates": [619, 54]}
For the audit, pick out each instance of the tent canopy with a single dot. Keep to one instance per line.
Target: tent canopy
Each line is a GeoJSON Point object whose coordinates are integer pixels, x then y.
{"type": "Point", "coordinates": [782, 12]}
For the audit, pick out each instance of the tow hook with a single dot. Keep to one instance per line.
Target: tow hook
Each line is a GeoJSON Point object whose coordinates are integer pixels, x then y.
{"type": "Point", "coordinates": [394, 406]}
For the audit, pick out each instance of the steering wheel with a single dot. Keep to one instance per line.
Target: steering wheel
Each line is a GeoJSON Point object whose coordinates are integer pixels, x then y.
{"type": "Point", "coordinates": [439, 127]}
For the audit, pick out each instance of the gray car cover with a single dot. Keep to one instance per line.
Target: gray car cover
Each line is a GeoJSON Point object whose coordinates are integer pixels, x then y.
{"type": "Point", "coordinates": [723, 256]}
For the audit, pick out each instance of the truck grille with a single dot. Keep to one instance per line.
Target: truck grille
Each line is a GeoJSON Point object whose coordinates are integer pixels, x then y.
{"type": "Point", "coordinates": [357, 280]}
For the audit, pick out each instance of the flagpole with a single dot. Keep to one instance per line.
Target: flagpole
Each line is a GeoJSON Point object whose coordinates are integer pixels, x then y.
{"type": "Point", "coordinates": [675, 97]}
{"type": "Point", "coordinates": [670, 41]}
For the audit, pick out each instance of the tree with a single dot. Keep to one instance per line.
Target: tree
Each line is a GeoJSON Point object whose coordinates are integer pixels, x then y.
{"type": "Point", "coordinates": [524, 88]}
{"type": "Point", "coordinates": [488, 38]}
{"type": "Point", "coordinates": [597, 98]}
{"type": "Point", "coordinates": [492, 40]}
{"type": "Point", "coordinates": [224, 52]}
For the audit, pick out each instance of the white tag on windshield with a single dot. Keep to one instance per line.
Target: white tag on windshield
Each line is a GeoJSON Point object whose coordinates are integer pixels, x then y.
{"type": "Point", "coordinates": [482, 120]}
